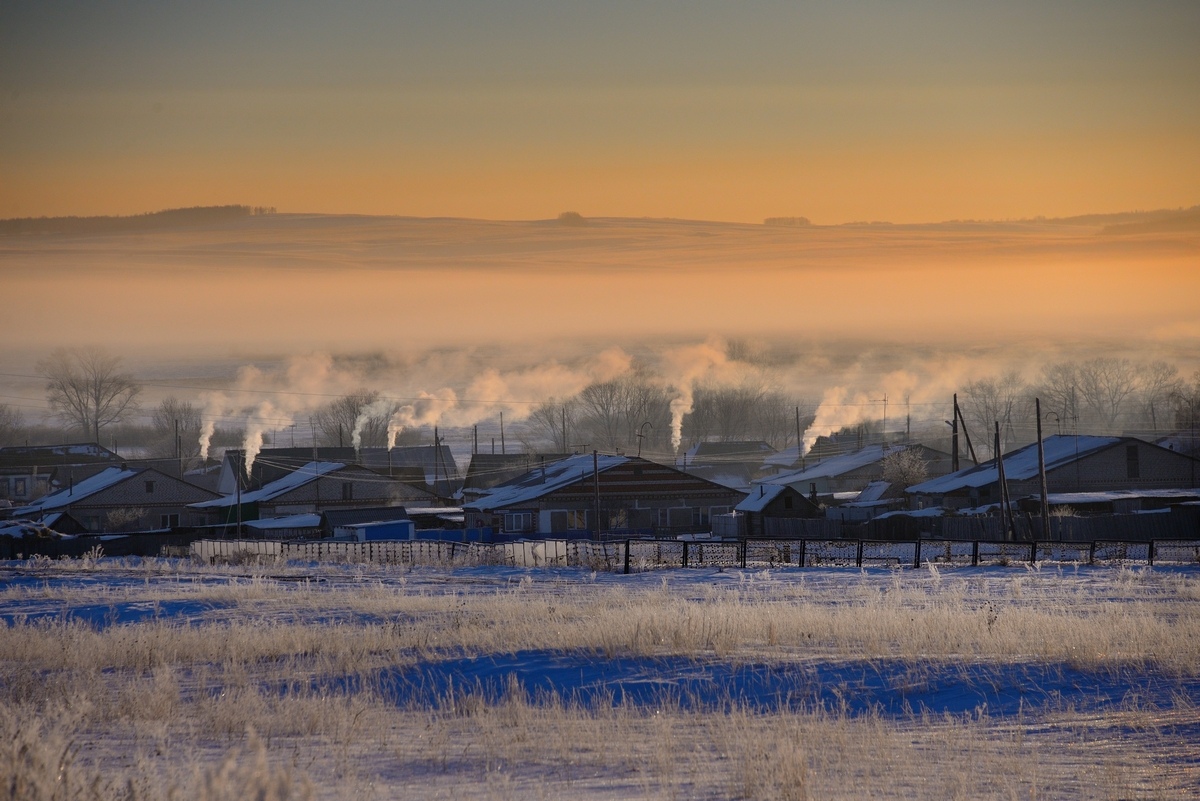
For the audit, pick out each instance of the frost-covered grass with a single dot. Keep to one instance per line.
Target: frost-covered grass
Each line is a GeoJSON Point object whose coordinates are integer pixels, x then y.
{"type": "Point", "coordinates": [299, 680]}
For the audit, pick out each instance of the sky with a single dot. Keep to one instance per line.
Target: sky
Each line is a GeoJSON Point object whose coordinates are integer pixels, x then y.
{"type": "Point", "coordinates": [461, 129]}
{"type": "Point", "coordinates": [838, 111]}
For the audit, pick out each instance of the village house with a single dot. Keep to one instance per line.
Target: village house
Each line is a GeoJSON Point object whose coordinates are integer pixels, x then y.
{"type": "Point", "coordinates": [1073, 464]}
{"type": "Point", "coordinates": [852, 472]}
{"type": "Point", "coordinates": [311, 489]}
{"type": "Point", "coordinates": [28, 472]}
{"type": "Point", "coordinates": [610, 495]}
{"type": "Point", "coordinates": [123, 499]}
{"type": "Point", "coordinates": [733, 464]}
{"type": "Point", "coordinates": [769, 504]}
{"type": "Point", "coordinates": [489, 470]}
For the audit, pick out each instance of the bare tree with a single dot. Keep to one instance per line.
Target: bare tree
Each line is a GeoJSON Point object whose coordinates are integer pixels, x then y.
{"type": "Point", "coordinates": [1059, 391]}
{"type": "Point", "coordinates": [1105, 383]}
{"type": "Point", "coordinates": [1000, 398]}
{"type": "Point", "coordinates": [611, 414]}
{"type": "Point", "coordinates": [11, 425]}
{"type": "Point", "coordinates": [87, 390]}
{"type": "Point", "coordinates": [553, 421]}
{"type": "Point", "coordinates": [363, 409]}
{"type": "Point", "coordinates": [1158, 382]}
{"type": "Point", "coordinates": [171, 415]}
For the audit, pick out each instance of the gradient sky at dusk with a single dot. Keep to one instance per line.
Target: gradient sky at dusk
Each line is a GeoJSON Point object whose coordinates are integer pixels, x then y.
{"type": "Point", "coordinates": [519, 110]}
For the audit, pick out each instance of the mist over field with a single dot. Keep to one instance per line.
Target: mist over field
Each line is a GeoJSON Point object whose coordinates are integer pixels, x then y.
{"type": "Point", "coordinates": [262, 319]}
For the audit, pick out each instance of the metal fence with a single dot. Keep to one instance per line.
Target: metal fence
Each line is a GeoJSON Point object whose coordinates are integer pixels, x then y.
{"type": "Point", "coordinates": [643, 554]}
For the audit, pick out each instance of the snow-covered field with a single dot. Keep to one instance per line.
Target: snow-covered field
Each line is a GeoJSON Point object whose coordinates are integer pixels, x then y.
{"type": "Point", "coordinates": [133, 678]}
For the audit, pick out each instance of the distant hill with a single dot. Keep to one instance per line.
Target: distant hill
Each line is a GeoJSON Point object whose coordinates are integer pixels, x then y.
{"type": "Point", "coordinates": [1158, 222]}
{"type": "Point", "coordinates": [169, 218]}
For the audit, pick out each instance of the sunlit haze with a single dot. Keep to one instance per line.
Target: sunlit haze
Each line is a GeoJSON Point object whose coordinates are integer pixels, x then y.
{"type": "Point", "coordinates": [953, 191]}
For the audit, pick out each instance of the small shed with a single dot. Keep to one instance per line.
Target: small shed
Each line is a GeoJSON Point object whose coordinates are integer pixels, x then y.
{"type": "Point", "coordinates": [773, 502]}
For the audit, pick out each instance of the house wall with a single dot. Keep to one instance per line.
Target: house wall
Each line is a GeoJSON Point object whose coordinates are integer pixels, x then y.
{"type": "Point", "coordinates": [1110, 469]}
{"type": "Point", "coordinates": [161, 500]}
{"type": "Point", "coordinates": [636, 496]}
{"type": "Point", "coordinates": [342, 489]}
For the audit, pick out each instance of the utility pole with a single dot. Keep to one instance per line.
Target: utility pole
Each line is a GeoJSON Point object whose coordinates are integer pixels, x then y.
{"type": "Point", "coordinates": [564, 429]}
{"type": "Point", "coordinates": [502, 451]}
{"type": "Point", "coordinates": [1045, 504]}
{"type": "Point", "coordinates": [1005, 511]}
{"type": "Point", "coordinates": [954, 437]}
{"type": "Point", "coordinates": [596, 488]}
{"type": "Point", "coordinates": [799, 441]}
{"type": "Point", "coordinates": [238, 476]}
{"type": "Point", "coordinates": [966, 432]}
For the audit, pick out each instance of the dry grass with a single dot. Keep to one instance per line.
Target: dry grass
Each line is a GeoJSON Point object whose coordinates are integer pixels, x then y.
{"type": "Point", "coordinates": [159, 709]}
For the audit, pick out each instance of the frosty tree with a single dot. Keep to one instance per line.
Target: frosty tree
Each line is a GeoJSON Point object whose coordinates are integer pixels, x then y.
{"type": "Point", "coordinates": [87, 390]}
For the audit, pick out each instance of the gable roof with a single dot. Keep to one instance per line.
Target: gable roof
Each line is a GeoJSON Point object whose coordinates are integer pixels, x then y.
{"type": "Point", "coordinates": [838, 465]}
{"type": "Point", "coordinates": [49, 455]}
{"type": "Point", "coordinates": [758, 501]}
{"type": "Point", "coordinates": [297, 478]}
{"type": "Point", "coordinates": [1020, 465]}
{"type": "Point", "coordinates": [106, 478]}
{"type": "Point", "coordinates": [546, 479]}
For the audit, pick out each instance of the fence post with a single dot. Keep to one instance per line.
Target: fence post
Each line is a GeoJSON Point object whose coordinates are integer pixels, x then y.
{"type": "Point", "coordinates": [685, 553]}
{"type": "Point", "coordinates": [803, 544]}
{"type": "Point", "coordinates": [1033, 552]}
{"type": "Point", "coordinates": [975, 553]}
{"type": "Point", "coordinates": [858, 557]}
{"type": "Point", "coordinates": [917, 556]}
{"type": "Point", "coordinates": [1092, 552]}
{"type": "Point", "coordinates": [742, 548]}
{"type": "Point", "coordinates": [1150, 554]}
{"type": "Point", "coordinates": [627, 557]}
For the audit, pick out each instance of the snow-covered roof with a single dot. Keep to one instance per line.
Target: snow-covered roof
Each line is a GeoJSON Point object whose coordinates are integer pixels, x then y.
{"type": "Point", "coordinates": [291, 521]}
{"type": "Point", "coordinates": [784, 458]}
{"type": "Point", "coordinates": [28, 528]}
{"type": "Point", "coordinates": [837, 465]}
{"type": "Point", "coordinates": [1119, 495]}
{"type": "Point", "coordinates": [760, 498]}
{"type": "Point", "coordinates": [297, 478]}
{"type": "Point", "coordinates": [1020, 465]}
{"type": "Point", "coordinates": [544, 480]}
{"type": "Point", "coordinates": [873, 491]}
{"type": "Point", "coordinates": [82, 489]}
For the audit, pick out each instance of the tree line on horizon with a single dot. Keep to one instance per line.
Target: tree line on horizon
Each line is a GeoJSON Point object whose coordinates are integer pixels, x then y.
{"type": "Point", "coordinates": [91, 397]}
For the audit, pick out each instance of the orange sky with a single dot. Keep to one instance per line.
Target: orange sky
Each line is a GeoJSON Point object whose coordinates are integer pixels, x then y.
{"type": "Point", "coordinates": [520, 110]}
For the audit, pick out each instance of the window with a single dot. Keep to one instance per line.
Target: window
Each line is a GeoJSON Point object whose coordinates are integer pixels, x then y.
{"type": "Point", "coordinates": [347, 491]}
{"type": "Point", "coordinates": [518, 522]}
{"type": "Point", "coordinates": [149, 487]}
{"type": "Point", "coordinates": [787, 501]}
{"type": "Point", "coordinates": [168, 521]}
{"type": "Point", "coordinates": [577, 520]}
{"type": "Point", "coordinates": [19, 487]}
{"type": "Point", "coordinates": [1132, 468]}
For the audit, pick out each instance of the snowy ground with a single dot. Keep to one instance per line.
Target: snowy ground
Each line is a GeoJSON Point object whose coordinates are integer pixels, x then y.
{"type": "Point", "coordinates": [365, 681]}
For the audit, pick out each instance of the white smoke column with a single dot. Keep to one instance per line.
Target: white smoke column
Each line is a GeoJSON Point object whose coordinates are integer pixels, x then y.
{"type": "Point", "coordinates": [264, 416]}
{"type": "Point", "coordinates": [380, 408]}
{"type": "Point", "coordinates": [216, 404]}
{"type": "Point", "coordinates": [428, 409]}
{"type": "Point", "coordinates": [837, 410]}
{"type": "Point", "coordinates": [685, 366]}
